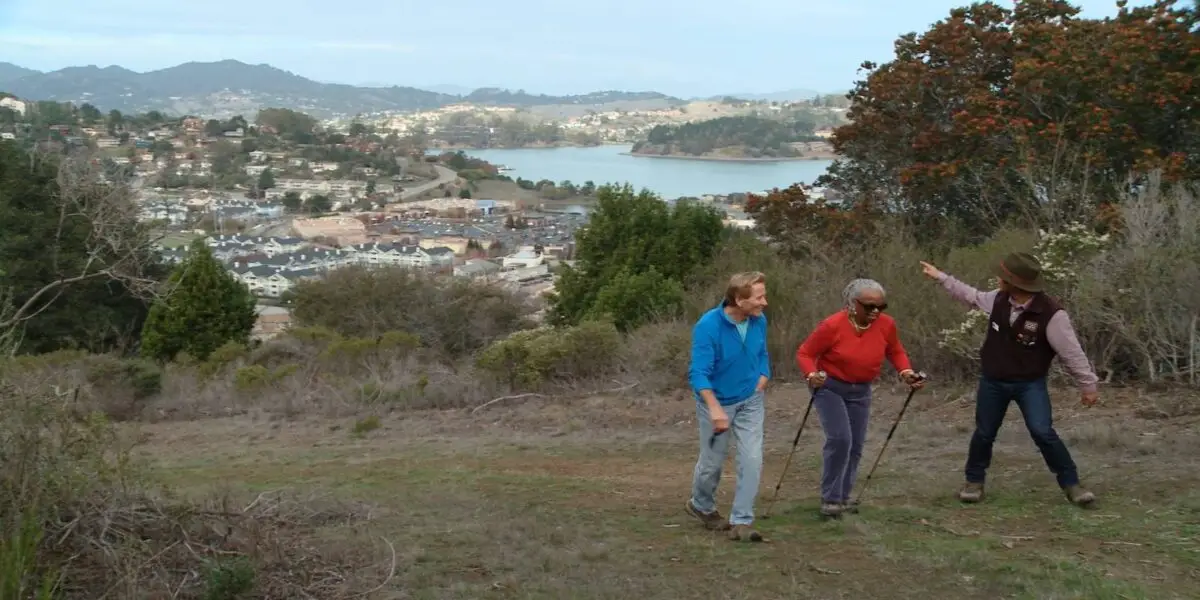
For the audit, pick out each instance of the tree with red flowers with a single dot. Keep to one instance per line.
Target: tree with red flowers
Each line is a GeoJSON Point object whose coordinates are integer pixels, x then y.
{"type": "Point", "coordinates": [1031, 112]}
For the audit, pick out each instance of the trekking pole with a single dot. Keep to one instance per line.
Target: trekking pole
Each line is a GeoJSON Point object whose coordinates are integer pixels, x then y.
{"type": "Point", "coordinates": [891, 432]}
{"type": "Point", "coordinates": [795, 442]}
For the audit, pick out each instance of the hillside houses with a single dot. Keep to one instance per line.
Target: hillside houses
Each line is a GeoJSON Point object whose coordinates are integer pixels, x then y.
{"type": "Point", "coordinates": [270, 266]}
{"type": "Point", "coordinates": [336, 188]}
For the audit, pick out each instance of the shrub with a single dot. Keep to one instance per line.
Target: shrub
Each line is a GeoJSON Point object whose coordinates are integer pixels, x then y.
{"type": "Point", "coordinates": [530, 359]}
{"type": "Point", "coordinates": [451, 316]}
{"type": "Point", "coordinates": [120, 388]}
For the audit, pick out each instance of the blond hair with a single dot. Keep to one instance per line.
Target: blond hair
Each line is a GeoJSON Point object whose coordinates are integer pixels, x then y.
{"type": "Point", "coordinates": [741, 284]}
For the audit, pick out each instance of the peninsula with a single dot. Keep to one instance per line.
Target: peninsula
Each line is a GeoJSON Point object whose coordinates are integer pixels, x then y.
{"type": "Point", "coordinates": [741, 139]}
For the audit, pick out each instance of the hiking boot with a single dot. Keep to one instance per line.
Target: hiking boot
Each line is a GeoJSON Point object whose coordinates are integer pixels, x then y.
{"type": "Point", "coordinates": [1079, 496]}
{"type": "Point", "coordinates": [711, 520]}
{"type": "Point", "coordinates": [971, 492]}
{"type": "Point", "coordinates": [831, 509]}
{"type": "Point", "coordinates": [850, 507]}
{"type": "Point", "coordinates": [745, 533]}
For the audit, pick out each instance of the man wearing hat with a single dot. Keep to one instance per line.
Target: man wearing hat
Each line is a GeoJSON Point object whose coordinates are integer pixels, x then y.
{"type": "Point", "coordinates": [1026, 330]}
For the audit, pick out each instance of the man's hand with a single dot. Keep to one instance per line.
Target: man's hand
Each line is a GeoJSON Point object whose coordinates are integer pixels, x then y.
{"type": "Point", "coordinates": [1091, 398]}
{"type": "Point", "coordinates": [762, 384]}
{"type": "Point", "coordinates": [931, 271]}
{"type": "Point", "coordinates": [720, 420]}
{"type": "Point", "coordinates": [816, 380]}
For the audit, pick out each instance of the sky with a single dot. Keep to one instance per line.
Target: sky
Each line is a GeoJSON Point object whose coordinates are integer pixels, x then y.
{"type": "Point", "coordinates": [680, 47]}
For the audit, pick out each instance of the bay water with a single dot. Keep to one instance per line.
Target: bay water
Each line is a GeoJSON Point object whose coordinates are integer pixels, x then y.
{"type": "Point", "coordinates": [668, 177]}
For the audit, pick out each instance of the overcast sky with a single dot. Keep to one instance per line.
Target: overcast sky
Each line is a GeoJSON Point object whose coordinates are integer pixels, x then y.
{"type": "Point", "coordinates": [681, 47]}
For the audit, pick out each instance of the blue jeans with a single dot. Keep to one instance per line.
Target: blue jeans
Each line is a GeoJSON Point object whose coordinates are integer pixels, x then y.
{"type": "Point", "coordinates": [1033, 398]}
{"type": "Point", "coordinates": [746, 423]}
{"type": "Point", "coordinates": [844, 409]}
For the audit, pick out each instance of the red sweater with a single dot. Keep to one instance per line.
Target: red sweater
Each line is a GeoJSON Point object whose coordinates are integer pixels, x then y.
{"type": "Point", "coordinates": [836, 348]}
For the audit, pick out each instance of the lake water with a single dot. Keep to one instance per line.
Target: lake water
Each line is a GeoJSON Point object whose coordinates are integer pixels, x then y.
{"type": "Point", "coordinates": [667, 177]}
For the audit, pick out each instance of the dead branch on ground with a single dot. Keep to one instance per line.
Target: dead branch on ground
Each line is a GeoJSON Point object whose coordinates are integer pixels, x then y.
{"type": "Point", "coordinates": [615, 390]}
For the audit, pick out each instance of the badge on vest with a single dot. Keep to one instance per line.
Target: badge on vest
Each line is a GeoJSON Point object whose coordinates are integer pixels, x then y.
{"type": "Point", "coordinates": [1028, 336]}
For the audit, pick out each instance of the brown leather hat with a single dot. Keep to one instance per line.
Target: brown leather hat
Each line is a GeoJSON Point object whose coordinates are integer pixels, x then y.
{"type": "Point", "coordinates": [1022, 271]}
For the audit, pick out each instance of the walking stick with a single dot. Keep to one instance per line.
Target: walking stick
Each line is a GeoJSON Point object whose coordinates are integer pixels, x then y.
{"type": "Point", "coordinates": [795, 442]}
{"type": "Point", "coordinates": [891, 432]}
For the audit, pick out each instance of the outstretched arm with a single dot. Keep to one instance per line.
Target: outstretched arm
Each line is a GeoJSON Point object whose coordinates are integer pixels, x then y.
{"type": "Point", "coordinates": [960, 291]}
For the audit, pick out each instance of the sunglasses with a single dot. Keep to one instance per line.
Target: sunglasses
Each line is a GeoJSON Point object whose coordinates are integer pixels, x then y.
{"type": "Point", "coordinates": [871, 307]}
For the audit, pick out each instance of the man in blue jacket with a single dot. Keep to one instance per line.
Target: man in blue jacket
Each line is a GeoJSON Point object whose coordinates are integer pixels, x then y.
{"type": "Point", "coordinates": [728, 373]}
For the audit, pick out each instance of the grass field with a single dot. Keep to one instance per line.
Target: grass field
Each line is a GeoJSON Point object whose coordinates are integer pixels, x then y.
{"type": "Point", "coordinates": [178, 239]}
{"type": "Point", "coordinates": [585, 500]}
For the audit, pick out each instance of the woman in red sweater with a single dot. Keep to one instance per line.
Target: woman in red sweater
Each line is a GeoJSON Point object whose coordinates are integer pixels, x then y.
{"type": "Point", "coordinates": [849, 347]}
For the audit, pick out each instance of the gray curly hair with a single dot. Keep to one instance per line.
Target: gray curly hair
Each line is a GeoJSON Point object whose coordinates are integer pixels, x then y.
{"type": "Point", "coordinates": [855, 289]}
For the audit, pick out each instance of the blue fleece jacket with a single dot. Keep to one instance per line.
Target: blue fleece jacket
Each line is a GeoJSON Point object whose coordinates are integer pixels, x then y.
{"type": "Point", "coordinates": [725, 363]}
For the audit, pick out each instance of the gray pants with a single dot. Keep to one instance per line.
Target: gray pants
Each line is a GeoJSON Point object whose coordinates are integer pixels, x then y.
{"type": "Point", "coordinates": [844, 409]}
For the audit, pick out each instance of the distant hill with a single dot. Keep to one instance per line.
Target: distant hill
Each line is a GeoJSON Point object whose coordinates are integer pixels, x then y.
{"type": "Point", "coordinates": [10, 71]}
{"type": "Point", "coordinates": [229, 87]}
{"type": "Point", "coordinates": [796, 95]}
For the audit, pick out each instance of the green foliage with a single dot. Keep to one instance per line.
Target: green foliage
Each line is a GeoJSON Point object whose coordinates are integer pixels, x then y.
{"type": "Point", "coordinates": [293, 125]}
{"type": "Point", "coordinates": [41, 245]}
{"type": "Point", "coordinates": [630, 300]}
{"type": "Point", "coordinates": [225, 355]}
{"type": "Point", "coordinates": [266, 180]}
{"type": "Point", "coordinates": [761, 137]}
{"type": "Point", "coordinates": [206, 308]}
{"type": "Point", "coordinates": [366, 425]}
{"type": "Point", "coordinates": [251, 377]}
{"type": "Point", "coordinates": [633, 257]}
{"type": "Point", "coordinates": [18, 559]}
{"type": "Point", "coordinates": [228, 579]}
{"type": "Point", "coordinates": [528, 359]}
{"type": "Point", "coordinates": [292, 201]}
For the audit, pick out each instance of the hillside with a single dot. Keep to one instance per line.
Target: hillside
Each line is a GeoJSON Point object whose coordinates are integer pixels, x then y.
{"type": "Point", "coordinates": [736, 138]}
{"type": "Point", "coordinates": [229, 87]}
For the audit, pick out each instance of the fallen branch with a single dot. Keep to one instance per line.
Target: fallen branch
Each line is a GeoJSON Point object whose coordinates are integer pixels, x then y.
{"type": "Point", "coordinates": [391, 572]}
{"type": "Point", "coordinates": [503, 398]}
{"type": "Point", "coordinates": [824, 571]}
{"type": "Point", "coordinates": [949, 530]}
{"type": "Point", "coordinates": [537, 395]}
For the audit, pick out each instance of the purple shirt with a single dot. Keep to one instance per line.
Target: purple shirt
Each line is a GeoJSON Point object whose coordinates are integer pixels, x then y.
{"type": "Point", "coordinates": [1059, 331]}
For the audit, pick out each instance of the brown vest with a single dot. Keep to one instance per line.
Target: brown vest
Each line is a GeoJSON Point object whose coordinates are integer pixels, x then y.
{"type": "Point", "coordinates": [1021, 351]}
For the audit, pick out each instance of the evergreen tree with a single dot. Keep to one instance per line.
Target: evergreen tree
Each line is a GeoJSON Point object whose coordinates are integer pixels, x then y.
{"type": "Point", "coordinates": [266, 180]}
{"type": "Point", "coordinates": [206, 309]}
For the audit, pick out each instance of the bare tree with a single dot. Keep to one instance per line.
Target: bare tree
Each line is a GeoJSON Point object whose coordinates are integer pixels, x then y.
{"type": "Point", "coordinates": [116, 247]}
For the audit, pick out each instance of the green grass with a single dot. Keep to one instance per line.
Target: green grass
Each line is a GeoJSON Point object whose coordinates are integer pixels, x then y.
{"type": "Point", "coordinates": [177, 239]}
{"type": "Point", "coordinates": [589, 516]}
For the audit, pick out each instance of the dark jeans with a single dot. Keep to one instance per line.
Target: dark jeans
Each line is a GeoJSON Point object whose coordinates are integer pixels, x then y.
{"type": "Point", "coordinates": [1033, 398]}
{"type": "Point", "coordinates": [844, 409]}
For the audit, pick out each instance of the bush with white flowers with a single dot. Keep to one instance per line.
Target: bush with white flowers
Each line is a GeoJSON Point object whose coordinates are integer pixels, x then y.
{"type": "Point", "coordinates": [1061, 254]}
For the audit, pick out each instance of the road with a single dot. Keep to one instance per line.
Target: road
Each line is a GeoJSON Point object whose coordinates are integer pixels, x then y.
{"type": "Point", "coordinates": [444, 176]}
